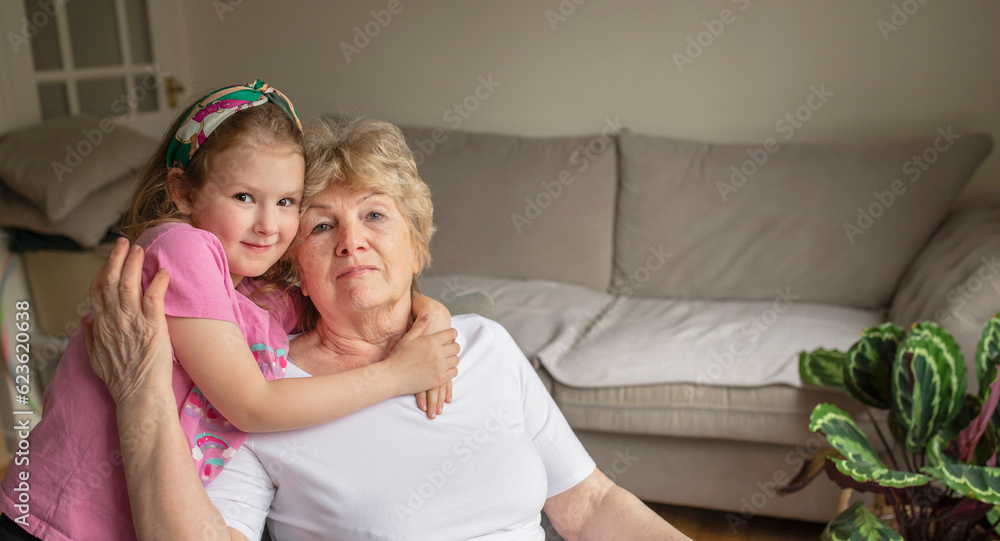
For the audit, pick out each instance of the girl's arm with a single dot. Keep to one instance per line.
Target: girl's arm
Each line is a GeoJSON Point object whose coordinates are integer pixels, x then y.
{"type": "Point", "coordinates": [130, 352]}
{"type": "Point", "coordinates": [432, 401]}
{"type": "Point", "coordinates": [215, 355]}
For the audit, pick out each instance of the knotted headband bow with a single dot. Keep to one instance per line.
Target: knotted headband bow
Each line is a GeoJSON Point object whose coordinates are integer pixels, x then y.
{"type": "Point", "coordinates": [212, 110]}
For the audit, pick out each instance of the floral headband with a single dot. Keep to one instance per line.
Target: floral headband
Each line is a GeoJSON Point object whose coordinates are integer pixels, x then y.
{"type": "Point", "coordinates": [212, 110]}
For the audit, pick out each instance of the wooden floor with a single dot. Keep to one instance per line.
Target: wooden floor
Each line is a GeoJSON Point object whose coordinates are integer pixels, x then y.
{"type": "Point", "coordinates": [705, 525]}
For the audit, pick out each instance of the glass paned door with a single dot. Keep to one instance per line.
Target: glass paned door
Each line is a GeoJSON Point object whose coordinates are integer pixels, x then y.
{"type": "Point", "coordinates": [106, 58]}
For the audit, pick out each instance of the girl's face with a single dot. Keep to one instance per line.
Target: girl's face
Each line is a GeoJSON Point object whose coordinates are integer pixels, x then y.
{"type": "Point", "coordinates": [251, 203]}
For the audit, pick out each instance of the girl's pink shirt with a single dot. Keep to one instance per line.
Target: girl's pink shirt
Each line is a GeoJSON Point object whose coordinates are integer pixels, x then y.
{"type": "Point", "coordinates": [68, 482]}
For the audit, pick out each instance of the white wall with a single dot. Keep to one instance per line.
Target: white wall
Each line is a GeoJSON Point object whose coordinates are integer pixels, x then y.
{"type": "Point", "coordinates": [939, 68]}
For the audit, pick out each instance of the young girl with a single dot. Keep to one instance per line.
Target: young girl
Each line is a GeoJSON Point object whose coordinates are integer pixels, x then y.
{"type": "Point", "coordinates": [218, 202]}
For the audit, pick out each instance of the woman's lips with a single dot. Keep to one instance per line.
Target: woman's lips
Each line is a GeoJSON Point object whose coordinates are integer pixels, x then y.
{"type": "Point", "coordinates": [357, 270]}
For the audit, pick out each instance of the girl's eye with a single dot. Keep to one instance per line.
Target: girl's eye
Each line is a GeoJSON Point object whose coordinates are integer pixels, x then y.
{"type": "Point", "coordinates": [243, 197]}
{"type": "Point", "coordinates": [286, 202]}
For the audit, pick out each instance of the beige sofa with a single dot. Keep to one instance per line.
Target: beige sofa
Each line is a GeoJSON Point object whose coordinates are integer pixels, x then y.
{"type": "Point", "coordinates": [663, 288]}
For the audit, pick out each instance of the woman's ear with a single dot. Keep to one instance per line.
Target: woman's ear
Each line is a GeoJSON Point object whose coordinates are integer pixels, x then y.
{"type": "Point", "coordinates": [180, 192]}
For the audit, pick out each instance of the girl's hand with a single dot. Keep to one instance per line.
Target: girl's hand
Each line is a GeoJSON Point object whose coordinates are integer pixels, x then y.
{"type": "Point", "coordinates": [424, 361]}
{"type": "Point", "coordinates": [432, 401]}
{"type": "Point", "coordinates": [127, 337]}
{"type": "Point", "coordinates": [436, 398]}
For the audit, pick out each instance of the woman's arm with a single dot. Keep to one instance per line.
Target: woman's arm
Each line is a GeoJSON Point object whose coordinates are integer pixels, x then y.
{"type": "Point", "coordinates": [130, 351]}
{"type": "Point", "coordinates": [597, 509]}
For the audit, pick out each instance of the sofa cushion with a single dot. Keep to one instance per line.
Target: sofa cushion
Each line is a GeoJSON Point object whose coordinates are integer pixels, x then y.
{"type": "Point", "coordinates": [838, 223]}
{"type": "Point", "coordinates": [542, 316]}
{"type": "Point", "coordinates": [86, 225]}
{"type": "Point", "coordinates": [775, 414]}
{"type": "Point", "coordinates": [705, 343]}
{"type": "Point", "coordinates": [57, 164]}
{"type": "Point", "coordinates": [955, 281]}
{"type": "Point", "coordinates": [520, 207]}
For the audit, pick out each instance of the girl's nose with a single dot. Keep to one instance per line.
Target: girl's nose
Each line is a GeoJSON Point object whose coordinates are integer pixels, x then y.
{"type": "Point", "coordinates": [267, 222]}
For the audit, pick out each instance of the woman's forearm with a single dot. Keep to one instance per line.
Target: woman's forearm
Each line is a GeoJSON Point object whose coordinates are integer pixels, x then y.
{"type": "Point", "coordinates": [620, 515]}
{"type": "Point", "coordinates": [167, 498]}
{"type": "Point", "coordinates": [129, 347]}
{"type": "Point", "coordinates": [597, 509]}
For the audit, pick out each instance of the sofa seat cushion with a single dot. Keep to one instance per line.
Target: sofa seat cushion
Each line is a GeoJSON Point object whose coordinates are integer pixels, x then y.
{"type": "Point", "coordinates": [718, 343]}
{"type": "Point", "coordinates": [542, 316]}
{"type": "Point", "coordinates": [837, 222]}
{"type": "Point", "coordinates": [774, 414]}
{"type": "Point", "coordinates": [520, 207]}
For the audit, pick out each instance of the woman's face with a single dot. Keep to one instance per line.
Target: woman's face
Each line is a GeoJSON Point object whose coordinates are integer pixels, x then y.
{"type": "Point", "coordinates": [355, 251]}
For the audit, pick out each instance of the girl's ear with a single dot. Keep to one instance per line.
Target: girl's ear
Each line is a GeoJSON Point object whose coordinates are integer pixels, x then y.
{"type": "Point", "coordinates": [180, 192]}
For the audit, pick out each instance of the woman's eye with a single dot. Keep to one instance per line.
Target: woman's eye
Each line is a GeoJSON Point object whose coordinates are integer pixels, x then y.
{"type": "Point", "coordinates": [242, 197]}
{"type": "Point", "coordinates": [321, 228]}
{"type": "Point", "coordinates": [374, 215]}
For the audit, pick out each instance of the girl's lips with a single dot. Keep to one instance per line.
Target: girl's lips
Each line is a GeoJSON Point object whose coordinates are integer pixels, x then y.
{"type": "Point", "coordinates": [257, 248]}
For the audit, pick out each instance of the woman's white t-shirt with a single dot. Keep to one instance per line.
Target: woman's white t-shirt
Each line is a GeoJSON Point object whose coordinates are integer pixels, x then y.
{"type": "Point", "coordinates": [481, 470]}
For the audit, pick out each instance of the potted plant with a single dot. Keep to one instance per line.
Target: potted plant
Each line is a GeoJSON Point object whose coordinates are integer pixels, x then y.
{"type": "Point", "coordinates": [942, 480]}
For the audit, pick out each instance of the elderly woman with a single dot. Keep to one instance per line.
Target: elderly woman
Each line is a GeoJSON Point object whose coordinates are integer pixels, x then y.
{"type": "Point", "coordinates": [502, 453]}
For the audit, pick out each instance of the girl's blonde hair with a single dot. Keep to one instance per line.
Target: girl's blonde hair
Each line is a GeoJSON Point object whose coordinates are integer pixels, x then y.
{"type": "Point", "coordinates": [151, 204]}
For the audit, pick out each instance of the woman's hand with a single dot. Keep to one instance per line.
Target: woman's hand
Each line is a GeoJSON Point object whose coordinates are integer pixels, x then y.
{"type": "Point", "coordinates": [425, 361]}
{"type": "Point", "coordinates": [127, 336]}
{"type": "Point", "coordinates": [432, 401]}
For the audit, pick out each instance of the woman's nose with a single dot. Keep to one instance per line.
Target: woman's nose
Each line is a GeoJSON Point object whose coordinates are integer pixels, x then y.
{"type": "Point", "coordinates": [349, 238]}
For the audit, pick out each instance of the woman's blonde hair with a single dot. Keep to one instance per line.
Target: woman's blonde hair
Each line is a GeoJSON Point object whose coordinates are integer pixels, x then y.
{"type": "Point", "coordinates": [364, 154]}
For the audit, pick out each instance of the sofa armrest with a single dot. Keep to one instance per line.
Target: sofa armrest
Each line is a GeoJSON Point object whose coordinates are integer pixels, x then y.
{"type": "Point", "coordinates": [955, 280]}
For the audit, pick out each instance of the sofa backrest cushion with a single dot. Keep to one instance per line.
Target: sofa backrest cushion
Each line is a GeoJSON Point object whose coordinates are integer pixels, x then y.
{"type": "Point", "coordinates": [520, 207]}
{"type": "Point", "coordinates": [819, 222]}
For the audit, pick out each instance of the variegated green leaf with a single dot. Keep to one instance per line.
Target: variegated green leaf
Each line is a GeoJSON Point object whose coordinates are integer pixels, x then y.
{"type": "Point", "coordinates": [868, 365]}
{"type": "Point", "coordinates": [993, 516]}
{"type": "Point", "coordinates": [823, 368]}
{"type": "Point", "coordinates": [857, 523]}
{"type": "Point", "coordinates": [952, 359]}
{"type": "Point", "coordinates": [977, 482]}
{"type": "Point", "coordinates": [988, 354]}
{"type": "Point", "coordinates": [928, 378]}
{"type": "Point", "coordinates": [860, 462]}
